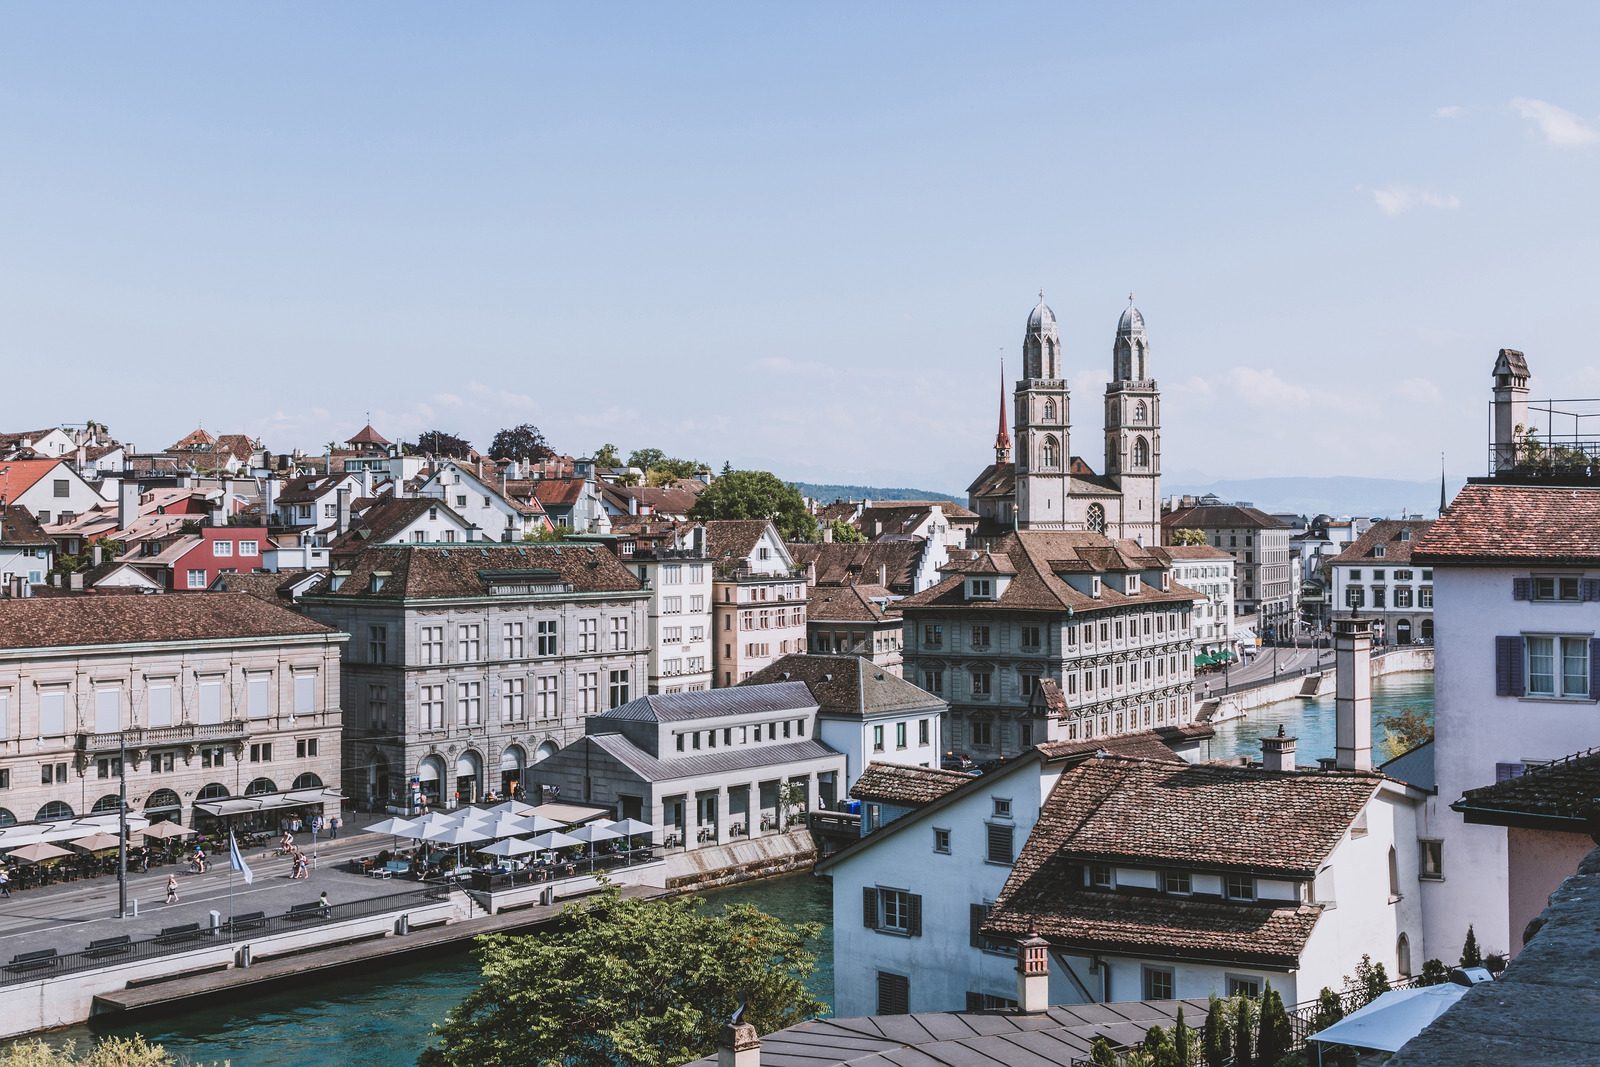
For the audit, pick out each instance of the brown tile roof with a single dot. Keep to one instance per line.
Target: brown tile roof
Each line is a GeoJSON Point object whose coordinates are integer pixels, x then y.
{"type": "Point", "coordinates": [18, 527]}
{"type": "Point", "coordinates": [368, 436]}
{"type": "Point", "coordinates": [1193, 552]}
{"type": "Point", "coordinates": [898, 783]}
{"type": "Point", "coordinates": [241, 446]}
{"type": "Point", "coordinates": [429, 571]}
{"type": "Point", "coordinates": [838, 563]}
{"type": "Point", "coordinates": [266, 586]}
{"type": "Point", "coordinates": [1220, 516]}
{"type": "Point", "coordinates": [847, 603]}
{"type": "Point", "coordinates": [549, 492]}
{"type": "Point", "coordinates": [1039, 557]}
{"type": "Point", "coordinates": [904, 516]}
{"type": "Point", "coordinates": [306, 488]}
{"type": "Point", "coordinates": [97, 620]}
{"type": "Point", "coordinates": [1561, 795]}
{"type": "Point", "coordinates": [997, 480]}
{"type": "Point", "coordinates": [1145, 744]}
{"type": "Point", "coordinates": [1516, 524]}
{"type": "Point", "coordinates": [1396, 549]}
{"type": "Point", "coordinates": [733, 539]}
{"type": "Point", "coordinates": [195, 439]}
{"type": "Point", "coordinates": [850, 686]}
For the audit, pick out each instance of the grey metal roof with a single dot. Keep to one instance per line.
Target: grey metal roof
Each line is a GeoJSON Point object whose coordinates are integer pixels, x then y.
{"type": "Point", "coordinates": [1414, 767]}
{"type": "Point", "coordinates": [1053, 1038]}
{"type": "Point", "coordinates": [714, 703]}
{"type": "Point", "coordinates": [747, 757]}
{"type": "Point", "coordinates": [1131, 321]}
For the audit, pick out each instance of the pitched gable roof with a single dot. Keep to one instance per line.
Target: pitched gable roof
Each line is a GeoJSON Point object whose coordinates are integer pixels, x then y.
{"type": "Point", "coordinates": [1515, 524]}
{"type": "Point", "coordinates": [851, 686]}
{"type": "Point", "coordinates": [19, 528]}
{"type": "Point", "coordinates": [899, 783]}
{"type": "Point", "coordinates": [96, 620]}
{"type": "Point", "coordinates": [23, 474]}
{"type": "Point", "coordinates": [469, 569]}
{"type": "Point", "coordinates": [1397, 536]}
{"type": "Point", "coordinates": [1221, 516]}
{"type": "Point", "coordinates": [734, 539]}
{"type": "Point", "coordinates": [840, 563]}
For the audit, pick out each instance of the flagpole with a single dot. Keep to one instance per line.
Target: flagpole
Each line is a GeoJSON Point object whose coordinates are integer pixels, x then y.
{"type": "Point", "coordinates": [233, 849]}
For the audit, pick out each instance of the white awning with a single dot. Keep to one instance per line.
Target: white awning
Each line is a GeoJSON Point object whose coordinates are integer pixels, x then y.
{"type": "Point", "coordinates": [294, 798]}
{"type": "Point", "coordinates": [1393, 1018]}
{"type": "Point", "coordinates": [66, 829]}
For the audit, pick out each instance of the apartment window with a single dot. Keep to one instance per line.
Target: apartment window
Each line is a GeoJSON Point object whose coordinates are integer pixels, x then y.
{"type": "Point", "coordinates": [589, 692]}
{"type": "Point", "coordinates": [1157, 983]}
{"type": "Point", "coordinates": [941, 840]}
{"type": "Point", "coordinates": [671, 605]}
{"type": "Point", "coordinates": [513, 694]}
{"type": "Point", "coordinates": [588, 635]}
{"type": "Point", "coordinates": [1239, 887]}
{"type": "Point", "coordinates": [377, 644]}
{"type": "Point", "coordinates": [1244, 985]}
{"type": "Point", "coordinates": [257, 692]}
{"type": "Point", "coordinates": [52, 772]}
{"type": "Point", "coordinates": [999, 844]}
{"type": "Point", "coordinates": [933, 681]}
{"type": "Point", "coordinates": [433, 644]}
{"type": "Point", "coordinates": [894, 994]}
{"type": "Point", "coordinates": [1558, 667]}
{"type": "Point", "coordinates": [547, 637]}
{"type": "Point", "coordinates": [161, 762]}
{"type": "Point", "coordinates": [982, 733]}
{"type": "Point", "coordinates": [249, 548]}
{"type": "Point", "coordinates": [892, 911]}
{"type": "Point", "coordinates": [53, 712]}
{"type": "Point", "coordinates": [1402, 596]}
{"type": "Point", "coordinates": [899, 735]}
{"type": "Point", "coordinates": [261, 752]}
{"type": "Point", "coordinates": [112, 767]}
{"type": "Point", "coordinates": [195, 579]}
{"type": "Point", "coordinates": [511, 638]}
{"type": "Point", "coordinates": [1425, 596]}
{"type": "Point", "coordinates": [212, 756]}
{"type": "Point", "coordinates": [922, 731]}
{"type": "Point", "coordinates": [1177, 882]}
{"type": "Point", "coordinates": [305, 748]}
{"type": "Point", "coordinates": [469, 644]}
{"type": "Point", "coordinates": [432, 701]}
{"type": "Point", "coordinates": [980, 637]}
{"type": "Point", "coordinates": [1355, 596]}
{"type": "Point", "coordinates": [469, 703]}
{"type": "Point", "coordinates": [619, 688]}
{"type": "Point", "coordinates": [697, 603]}
{"type": "Point", "coordinates": [620, 631]}
{"type": "Point", "coordinates": [933, 636]}
{"type": "Point", "coordinates": [1378, 592]}
{"type": "Point", "coordinates": [1032, 637]}
{"type": "Point", "coordinates": [982, 589]}
{"type": "Point", "coordinates": [1101, 876]}
{"type": "Point", "coordinates": [1556, 587]}
{"type": "Point", "coordinates": [877, 738]}
{"type": "Point", "coordinates": [982, 683]}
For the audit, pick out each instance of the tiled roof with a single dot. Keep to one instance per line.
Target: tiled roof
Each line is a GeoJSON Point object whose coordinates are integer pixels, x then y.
{"type": "Point", "coordinates": [846, 603]}
{"type": "Point", "coordinates": [1517, 524]}
{"type": "Point", "coordinates": [746, 698]}
{"type": "Point", "coordinates": [18, 528]}
{"type": "Point", "coordinates": [1144, 744]}
{"type": "Point", "coordinates": [898, 783]}
{"type": "Point", "coordinates": [997, 480]}
{"type": "Point", "coordinates": [1220, 516]}
{"type": "Point", "coordinates": [368, 436]}
{"type": "Point", "coordinates": [1561, 795]}
{"type": "Point", "coordinates": [733, 539]}
{"type": "Point", "coordinates": [1039, 557]}
{"type": "Point", "coordinates": [195, 439]}
{"type": "Point", "coordinates": [95, 620]}
{"type": "Point", "coordinates": [851, 686]}
{"type": "Point", "coordinates": [838, 563]}
{"type": "Point", "coordinates": [306, 488]}
{"type": "Point", "coordinates": [549, 492]}
{"type": "Point", "coordinates": [24, 474]}
{"type": "Point", "coordinates": [430, 571]}
{"type": "Point", "coordinates": [273, 588]}
{"type": "Point", "coordinates": [1397, 549]}
{"type": "Point", "coordinates": [748, 757]}
{"type": "Point", "coordinates": [1194, 552]}
{"type": "Point", "coordinates": [241, 446]}
{"type": "Point", "coordinates": [385, 519]}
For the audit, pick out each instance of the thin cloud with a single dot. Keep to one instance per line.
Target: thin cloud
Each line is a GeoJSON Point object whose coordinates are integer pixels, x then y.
{"type": "Point", "coordinates": [1419, 390]}
{"type": "Point", "coordinates": [1450, 111]}
{"type": "Point", "coordinates": [1398, 199]}
{"type": "Point", "coordinates": [1263, 388]}
{"type": "Point", "coordinates": [1556, 125]}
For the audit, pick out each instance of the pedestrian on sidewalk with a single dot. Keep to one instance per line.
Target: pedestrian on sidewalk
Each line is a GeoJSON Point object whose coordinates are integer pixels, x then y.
{"type": "Point", "coordinates": [5, 883]}
{"type": "Point", "coordinates": [327, 909]}
{"type": "Point", "coordinates": [172, 889]}
{"type": "Point", "coordinates": [333, 826]}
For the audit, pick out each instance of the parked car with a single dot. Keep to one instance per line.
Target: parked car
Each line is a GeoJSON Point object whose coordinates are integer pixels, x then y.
{"type": "Point", "coordinates": [957, 761]}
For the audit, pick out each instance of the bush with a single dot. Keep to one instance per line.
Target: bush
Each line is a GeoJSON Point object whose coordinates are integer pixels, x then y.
{"type": "Point", "coordinates": [1471, 956]}
{"type": "Point", "coordinates": [1273, 1035]}
{"type": "Point", "coordinates": [108, 1052]}
{"type": "Point", "coordinates": [1216, 1042]}
{"type": "Point", "coordinates": [1244, 1018]}
{"type": "Point", "coordinates": [1434, 972]}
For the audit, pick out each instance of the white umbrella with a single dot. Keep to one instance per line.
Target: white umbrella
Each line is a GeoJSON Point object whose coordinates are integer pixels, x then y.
{"type": "Point", "coordinates": [509, 807]}
{"type": "Point", "coordinates": [391, 826]}
{"type": "Point", "coordinates": [502, 826]}
{"type": "Point", "coordinates": [455, 835]}
{"type": "Point", "coordinates": [39, 850]}
{"type": "Point", "coordinates": [593, 832]}
{"type": "Point", "coordinates": [514, 846]}
{"type": "Point", "coordinates": [538, 824]}
{"type": "Point", "coordinates": [632, 828]}
{"type": "Point", "coordinates": [94, 842]}
{"type": "Point", "coordinates": [1393, 1018]}
{"type": "Point", "coordinates": [555, 839]}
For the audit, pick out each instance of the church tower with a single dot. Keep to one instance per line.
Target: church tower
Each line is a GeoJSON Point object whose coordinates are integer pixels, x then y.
{"type": "Point", "coordinates": [1043, 451]}
{"type": "Point", "coordinates": [1133, 430]}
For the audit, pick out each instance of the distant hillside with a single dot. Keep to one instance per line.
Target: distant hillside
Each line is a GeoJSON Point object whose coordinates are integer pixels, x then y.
{"type": "Point", "coordinates": [1372, 497]}
{"type": "Point", "coordinates": [830, 493]}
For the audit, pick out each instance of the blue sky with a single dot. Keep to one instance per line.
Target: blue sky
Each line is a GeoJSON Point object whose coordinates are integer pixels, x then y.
{"type": "Point", "coordinates": [798, 237]}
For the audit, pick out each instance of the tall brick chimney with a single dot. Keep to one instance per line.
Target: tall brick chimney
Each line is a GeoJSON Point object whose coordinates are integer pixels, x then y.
{"type": "Point", "coordinates": [738, 1046]}
{"type": "Point", "coordinates": [1033, 974]}
{"type": "Point", "coordinates": [1277, 752]}
{"type": "Point", "coordinates": [1352, 651]}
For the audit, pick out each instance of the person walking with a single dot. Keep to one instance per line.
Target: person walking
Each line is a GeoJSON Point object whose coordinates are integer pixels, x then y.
{"type": "Point", "coordinates": [5, 883]}
{"type": "Point", "coordinates": [333, 826]}
{"type": "Point", "coordinates": [327, 908]}
{"type": "Point", "coordinates": [172, 889]}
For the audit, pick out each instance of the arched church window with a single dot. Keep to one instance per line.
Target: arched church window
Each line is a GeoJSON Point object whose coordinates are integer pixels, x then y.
{"type": "Point", "coordinates": [1141, 413]}
{"type": "Point", "coordinates": [1051, 453]}
{"type": "Point", "coordinates": [1097, 519]}
{"type": "Point", "coordinates": [1049, 410]}
{"type": "Point", "coordinates": [1141, 453]}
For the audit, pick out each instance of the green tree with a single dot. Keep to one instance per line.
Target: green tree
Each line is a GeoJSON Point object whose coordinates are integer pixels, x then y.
{"type": "Point", "coordinates": [757, 495]}
{"type": "Point", "coordinates": [554, 533]}
{"type": "Point", "coordinates": [1216, 1041]}
{"type": "Point", "coordinates": [520, 442]}
{"type": "Point", "coordinates": [106, 1052]}
{"type": "Point", "coordinates": [1102, 1053]}
{"type": "Point", "coordinates": [1188, 536]}
{"type": "Point", "coordinates": [1406, 729]}
{"type": "Point", "coordinates": [1273, 1033]}
{"type": "Point", "coordinates": [442, 443]}
{"type": "Point", "coordinates": [1244, 1029]}
{"type": "Point", "coordinates": [845, 534]}
{"type": "Point", "coordinates": [1183, 1040]}
{"type": "Point", "coordinates": [646, 459]}
{"type": "Point", "coordinates": [1371, 981]}
{"type": "Point", "coordinates": [646, 982]}
{"type": "Point", "coordinates": [607, 456]}
{"type": "Point", "coordinates": [1471, 955]}
{"type": "Point", "coordinates": [1330, 1009]}
{"type": "Point", "coordinates": [1434, 972]}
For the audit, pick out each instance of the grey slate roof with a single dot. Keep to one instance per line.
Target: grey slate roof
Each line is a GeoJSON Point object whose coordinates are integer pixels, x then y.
{"type": "Point", "coordinates": [748, 757]}
{"type": "Point", "coordinates": [1054, 1038]}
{"type": "Point", "coordinates": [847, 686]}
{"type": "Point", "coordinates": [714, 703]}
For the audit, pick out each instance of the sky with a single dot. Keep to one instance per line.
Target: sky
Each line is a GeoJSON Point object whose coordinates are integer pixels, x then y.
{"type": "Point", "coordinates": [799, 237]}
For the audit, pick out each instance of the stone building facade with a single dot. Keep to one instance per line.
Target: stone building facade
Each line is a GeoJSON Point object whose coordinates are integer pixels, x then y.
{"type": "Point", "coordinates": [759, 598]}
{"type": "Point", "coordinates": [1264, 583]}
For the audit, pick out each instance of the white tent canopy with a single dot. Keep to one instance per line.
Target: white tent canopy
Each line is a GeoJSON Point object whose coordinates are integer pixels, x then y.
{"type": "Point", "coordinates": [1393, 1018]}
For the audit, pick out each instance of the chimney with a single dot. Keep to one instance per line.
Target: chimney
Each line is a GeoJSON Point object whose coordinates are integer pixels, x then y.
{"type": "Point", "coordinates": [1510, 407]}
{"type": "Point", "coordinates": [827, 534]}
{"type": "Point", "coordinates": [342, 509]}
{"type": "Point", "coordinates": [1352, 644]}
{"type": "Point", "coordinates": [1033, 974]}
{"type": "Point", "coordinates": [269, 499]}
{"type": "Point", "coordinates": [738, 1046]}
{"type": "Point", "coordinates": [127, 502]}
{"type": "Point", "coordinates": [98, 554]}
{"type": "Point", "coordinates": [1277, 752]}
{"type": "Point", "coordinates": [883, 575]}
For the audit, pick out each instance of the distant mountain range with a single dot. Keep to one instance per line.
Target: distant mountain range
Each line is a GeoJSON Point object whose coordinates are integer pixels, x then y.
{"type": "Point", "coordinates": [1340, 495]}
{"type": "Point", "coordinates": [829, 493]}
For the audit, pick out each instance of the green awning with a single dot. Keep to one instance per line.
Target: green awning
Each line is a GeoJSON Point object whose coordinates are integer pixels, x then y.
{"type": "Point", "coordinates": [1205, 659]}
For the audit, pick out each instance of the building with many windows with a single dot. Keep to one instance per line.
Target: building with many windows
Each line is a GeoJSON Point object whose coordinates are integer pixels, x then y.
{"type": "Point", "coordinates": [1101, 618]}
{"type": "Point", "coordinates": [1263, 582]}
{"type": "Point", "coordinates": [1376, 578]}
{"type": "Point", "coordinates": [759, 598]}
{"type": "Point", "coordinates": [672, 561]}
{"type": "Point", "coordinates": [211, 697]}
{"type": "Point", "coordinates": [1209, 572]}
{"type": "Point", "coordinates": [468, 663]}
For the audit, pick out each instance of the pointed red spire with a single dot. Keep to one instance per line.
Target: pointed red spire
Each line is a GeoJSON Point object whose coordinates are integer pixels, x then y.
{"type": "Point", "coordinates": [1002, 440]}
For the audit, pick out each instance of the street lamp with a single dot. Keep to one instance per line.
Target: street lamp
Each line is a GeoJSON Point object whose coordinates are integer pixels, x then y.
{"type": "Point", "coordinates": [122, 824]}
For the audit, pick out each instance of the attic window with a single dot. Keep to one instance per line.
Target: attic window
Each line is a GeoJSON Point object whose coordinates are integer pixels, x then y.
{"type": "Point", "coordinates": [375, 583]}
{"type": "Point", "coordinates": [337, 581]}
{"type": "Point", "coordinates": [980, 589]}
{"type": "Point", "coordinates": [1379, 551]}
{"type": "Point", "coordinates": [1131, 584]}
{"type": "Point", "coordinates": [1405, 534]}
{"type": "Point", "coordinates": [1094, 587]}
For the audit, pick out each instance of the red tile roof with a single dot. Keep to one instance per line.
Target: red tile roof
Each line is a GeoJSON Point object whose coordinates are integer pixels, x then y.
{"type": "Point", "coordinates": [368, 436]}
{"type": "Point", "coordinates": [23, 474]}
{"type": "Point", "coordinates": [901, 784]}
{"type": "Point", "coordinates": [1515, 524]}
{"type": "Point", "coordinates": [1398, 537]}
{"type": "Point", "coordinates": [95, 620]}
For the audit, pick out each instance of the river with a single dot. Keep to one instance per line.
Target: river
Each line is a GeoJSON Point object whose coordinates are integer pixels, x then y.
{"type": "Point", "coordinates": [384, 1019]}
{"type": "Point", "coordinates": [1312, 721]}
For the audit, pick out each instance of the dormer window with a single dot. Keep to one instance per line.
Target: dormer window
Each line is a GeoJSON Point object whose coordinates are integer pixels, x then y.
{"type": "Point", "coordinates": [1101, 876]}
{"type": "Point", "coordinates": [1380, 551]}
{"type": "Point", "coordinates": [1405, 535]}
{"type": "Point", "coordinates": [376, 582]}
{"type": "Point", "coordinates": [980, 589]}
{"type": "Point", "coordinates": [1094, 587]}
{"type": "Point", "coordinates": [1131, 584]}
{"type": "Point", "coordinates": [337, 581]}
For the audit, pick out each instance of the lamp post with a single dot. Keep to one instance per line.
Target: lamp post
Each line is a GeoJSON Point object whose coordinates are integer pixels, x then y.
{"type": "Point", "coordinates": [122, 824]}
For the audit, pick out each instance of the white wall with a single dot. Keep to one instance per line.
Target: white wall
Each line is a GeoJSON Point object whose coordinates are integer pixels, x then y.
{"type": "Point", "coordinates": [853, 737]}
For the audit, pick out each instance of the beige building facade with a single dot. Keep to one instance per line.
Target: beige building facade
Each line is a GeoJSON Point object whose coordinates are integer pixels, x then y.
{"type": "Point", "coordinates": [759, 598]}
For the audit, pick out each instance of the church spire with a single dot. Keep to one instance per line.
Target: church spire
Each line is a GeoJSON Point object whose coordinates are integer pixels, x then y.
{"type": "Point", "coordinates": [1002, 440]}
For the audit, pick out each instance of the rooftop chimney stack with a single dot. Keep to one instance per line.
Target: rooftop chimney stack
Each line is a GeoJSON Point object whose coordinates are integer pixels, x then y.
{"type": "Point", "coordinates": [342, 509]}
{"type": "Point", "coordinates": [1352, 652]}
{"type": "Point", "coordinates": [738, 1046]}
{"type": "Point", "coordinates": [1033, 974]}
{"type": "Point", "coordinates": [1510, 407]}
{"type": "Point", "coordinates": [1277, 753]}
{"type": "Point", "coordinates": [127, 501]}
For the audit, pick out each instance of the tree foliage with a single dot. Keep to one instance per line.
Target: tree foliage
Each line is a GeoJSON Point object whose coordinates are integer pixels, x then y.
{"type": "Point", "coordinates": [845, 534]}
{"type": "Point", "coordinates": [1273, 1033]}
{"type": "Point", "coordinates": [1188, 536]}
{"type": "Point", "coordinates": [442, 443]}
{"type": "Point", "coordinates": [520, 442]}
{"type": "Point", "coordinates": [106, 1052]}
{"type": "Point", "coordinates": [607, 456]}
{"type": "Point", "coordinates": [1216, 1040]}
{"type": "Point", "coordinates": [1371, 981]}
{"type": "Point", "coordinates": [757, 495]}
{"type": "Point", "coordinates": [1244, 1020]}
{"type": "Point", "coordinates": [1434, 972]}
{"type": "Point", "coordinates": [1406, 729]}
{"type": "Point", "coordinates": [662, 469]}
{"type": "Point", "coordinates": [1471, 955]}
{"type": "Point", "coordinates": [646, 982]}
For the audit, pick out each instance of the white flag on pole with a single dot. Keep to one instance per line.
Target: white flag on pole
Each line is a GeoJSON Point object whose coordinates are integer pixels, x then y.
{"type": "Point", "coordinates": [236, 861]}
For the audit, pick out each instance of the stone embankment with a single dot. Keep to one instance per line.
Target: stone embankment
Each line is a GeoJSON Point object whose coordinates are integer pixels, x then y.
{"type": "Point", "coordinates": [1240, 702]}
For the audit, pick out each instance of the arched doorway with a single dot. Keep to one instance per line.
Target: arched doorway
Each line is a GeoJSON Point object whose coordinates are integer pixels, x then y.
{"type": "Point", "coordinates": [260, 786]}
{"type": "Point", "coordinates": [430, 776]}
{"type": "Point", "coordinates": [1427, 631]}
{"type": "Point", "coordinates": [163, 806]}
{"type": "Point", "coordinates": [54, 811]}
{"type": "Point", "coordinates": [1402, 632]}
{"type": "Point", "coordinates": [512, 761]}
{"type": "Point", "coordinates": [108, 804]}
{"type": "Point", "coordinates": [545, 750]}
{"type": "Point", "coordinates": [469, 777]}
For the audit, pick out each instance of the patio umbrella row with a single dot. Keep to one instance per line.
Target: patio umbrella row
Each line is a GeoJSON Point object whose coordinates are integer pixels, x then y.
{"type": "Point", "coordinates": [91, 841]}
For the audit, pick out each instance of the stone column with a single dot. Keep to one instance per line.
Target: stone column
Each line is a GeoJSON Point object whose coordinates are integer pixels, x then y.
{"type": "Point", "coordinates": [722, 814]}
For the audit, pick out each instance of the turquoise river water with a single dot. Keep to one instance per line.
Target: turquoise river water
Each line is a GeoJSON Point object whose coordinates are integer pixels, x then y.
{"type": "Point", "coordinates": [384, 1017]}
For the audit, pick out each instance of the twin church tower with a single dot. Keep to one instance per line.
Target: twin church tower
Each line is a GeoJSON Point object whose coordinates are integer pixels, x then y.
{"type": "Point", "coordinates": [1046, 487]}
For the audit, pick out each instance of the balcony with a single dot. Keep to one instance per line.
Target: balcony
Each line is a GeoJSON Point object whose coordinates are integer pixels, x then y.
{"type": "Point", "coordinates": [1560, 444]}
{"type": "Point", "coordinates": [152, 736]}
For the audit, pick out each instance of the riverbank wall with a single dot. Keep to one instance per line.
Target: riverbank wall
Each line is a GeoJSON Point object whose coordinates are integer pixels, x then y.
{"type": "Point", "coordinates": [1233, 705]}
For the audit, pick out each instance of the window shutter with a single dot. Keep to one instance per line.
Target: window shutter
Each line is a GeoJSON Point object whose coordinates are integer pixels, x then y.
{"type": "Point", "coordinates": [1508, 666]}
{"type": "Point", "coordinates": [869, 907]}
{"type": "Point", "coordinates": [1594, 668]}
{"type": "Point", "coordinates": [914, 914]}
{"type": "Point", "coordinates": [1522, 589]}
{"type": "Point", "coordinates": [976, 913]}
{"type": "Point", "coordinates": [1591, 589]}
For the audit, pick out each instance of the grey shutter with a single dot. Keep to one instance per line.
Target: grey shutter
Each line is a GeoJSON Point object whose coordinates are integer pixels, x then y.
{"type": "Point", "coordinates": [1591, 589]}
{"type": "Point", "coordinates": [1594, 668]}
{"type": "Point", "coordinates": [1508, 653]}
{"type": "Point", "coordinates": [976, 913]}
{"type": "Point", "coordinates": [869, 907]}
{"type": "Point", "coordinates": [914, 914]}
{"type": "Point", "coordinates": [1522, 589]}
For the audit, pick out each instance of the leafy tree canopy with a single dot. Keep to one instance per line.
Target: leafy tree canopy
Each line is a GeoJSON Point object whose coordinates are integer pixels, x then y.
{"type": "Point", "coordinates": [1188, 537]}
{"type": "Point", "coordinates": [607, 456]}
{"type": "Point", "coordinates": [520, 442]}
{"type": "Point", "coordinates": [442, 443]}
{"type": "Point", "coordinates": [757, 495]}
{"type": "Point", "coordinates": [845, 534]}
{"type": "Point", "coordinates": [107, 1052]}
{"type": "Point", "coordinates": [1406, 729]}
{"type": "Point", "coordinates": [646, 982]}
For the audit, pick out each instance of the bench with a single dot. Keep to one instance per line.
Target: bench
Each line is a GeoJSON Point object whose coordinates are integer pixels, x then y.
{"type": "Point", "coordinates": [173, 935]}
{"type": "Point", "coordinates": [312, 910]}
{"type": "Point", "coordinates": [109, 946]}
{"type": "Point", "coordinates": [250, 920]}
{"type": "Point", "coordinates": [32, 961]}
